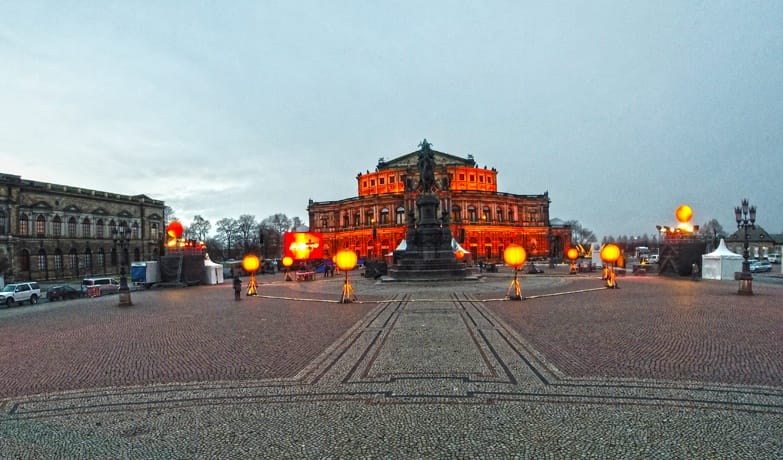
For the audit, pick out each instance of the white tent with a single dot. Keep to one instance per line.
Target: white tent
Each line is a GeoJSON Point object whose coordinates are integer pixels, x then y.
{"type": "Point", "coordinates": [720, 264]}
{"type": "Point", "coordinates": [454, 245]}
{"type": "Point", "coordinates": [213, 272]}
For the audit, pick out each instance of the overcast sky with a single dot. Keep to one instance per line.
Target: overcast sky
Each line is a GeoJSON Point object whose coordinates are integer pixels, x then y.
{"type": "Point", "coordinates": [621, 110]}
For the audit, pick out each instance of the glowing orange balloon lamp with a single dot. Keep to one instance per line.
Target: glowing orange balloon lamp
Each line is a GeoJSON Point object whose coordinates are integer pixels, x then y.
{"type": "Point", "coordinates": [572, 254]}
{"type": "Point", "coordinates": [250, 263]}
{"type": "Point", "coordinates": [345, 259]}
{"type": "Point", "coordinates": [684, 213]}
{"type": "Point", "coordinates": [287, 261]}
{"type": "Point", "coordinates": [460, 254]}
{"type": "Point", "coordinates": [609, 254]}
{"type": "Point", "coordinates": [515, 256]}
{"type": "Point", "coordinates": [174, 229]}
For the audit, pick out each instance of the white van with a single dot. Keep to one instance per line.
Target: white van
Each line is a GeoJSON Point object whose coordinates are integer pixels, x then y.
{"type": "Point", "coordinates": [105, 285]}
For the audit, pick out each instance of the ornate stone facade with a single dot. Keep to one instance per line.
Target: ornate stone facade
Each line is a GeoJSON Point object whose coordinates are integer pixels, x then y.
{"type": "Point", "coordinates": [483, 220]}
{"type": "Point", "coordinates": [52, 232]}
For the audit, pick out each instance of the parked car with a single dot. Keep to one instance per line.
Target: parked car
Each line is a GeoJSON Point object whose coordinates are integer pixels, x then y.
{"type": "Point", "coordinates": [774, 258]}
{"type": "Point", "coordinates": [20, 292]}
{"type": "Point", "coordinates": [63, 292]}
{"type": "Point", "coordinates": [760, 266]}
{"type": "Point", "coordinates": [104, 285]}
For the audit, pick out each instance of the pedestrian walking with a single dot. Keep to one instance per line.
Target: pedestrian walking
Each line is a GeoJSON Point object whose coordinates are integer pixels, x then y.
{"type": "Point", "coordinates": [695, 272]}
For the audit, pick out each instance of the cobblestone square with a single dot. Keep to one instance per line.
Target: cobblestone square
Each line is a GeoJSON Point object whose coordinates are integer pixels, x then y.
{"type": "Point", "coordinates": [662, 367]}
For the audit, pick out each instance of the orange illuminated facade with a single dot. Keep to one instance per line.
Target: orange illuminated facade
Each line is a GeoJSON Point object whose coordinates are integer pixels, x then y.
{"type": "Point", "coordinates": [483, 220]}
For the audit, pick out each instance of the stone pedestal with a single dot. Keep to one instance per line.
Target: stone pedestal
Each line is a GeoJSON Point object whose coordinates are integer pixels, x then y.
{"type": "Point", "coordinates": [428, 255]}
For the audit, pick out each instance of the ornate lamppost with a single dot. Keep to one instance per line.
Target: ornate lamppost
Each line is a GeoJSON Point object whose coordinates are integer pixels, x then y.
{"type": "Point", "coordinates": [122, 240]}
{"type": "Point", "coordinates": [746, 218]}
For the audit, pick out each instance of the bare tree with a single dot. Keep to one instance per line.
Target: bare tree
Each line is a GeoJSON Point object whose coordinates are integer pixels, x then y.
{"type": "Point", "coordinates": [227, 230]}
{"type": "Point", "coordinates": [247, 231]}
{"type": "Point", "coordinates": [580, 234]}
{"type": "Point", "coordinates": [199, 229]}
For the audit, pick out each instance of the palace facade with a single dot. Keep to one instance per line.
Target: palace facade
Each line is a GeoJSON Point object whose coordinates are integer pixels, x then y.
{"type": "Point", "coordinates": [483, 220]}
{"type": "Point", "coordinates": [51, 232]}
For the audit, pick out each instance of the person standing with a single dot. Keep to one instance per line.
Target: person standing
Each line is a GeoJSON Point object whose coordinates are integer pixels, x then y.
{"type": "Point", "coordinates": [237, 288]}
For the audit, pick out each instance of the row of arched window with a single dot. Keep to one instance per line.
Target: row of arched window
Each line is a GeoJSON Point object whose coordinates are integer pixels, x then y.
{"type": "Point", "coordinates": [473, 214]}
{"type": "Point", "coordinates": [73, 228]}
{"type": "Point", "coordinates": [71, 262]}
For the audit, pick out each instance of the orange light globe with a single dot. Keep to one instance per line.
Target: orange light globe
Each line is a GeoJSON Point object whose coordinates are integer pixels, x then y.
{"type": "Point", "coordinates": [610, 253]}
{"type": "Point", "coordinates": [250, 263]}
{"type": "Point", "coordinates": [459, 255]}
{"type": "Point", "coordinates": [684, 213]}
{"type": "Point", "coordinates": [515, 255]}
{"type": "Point", "coordinates": [572, 254]}
{"type": "Point", "coordinates": [345, 259]}
{"type": "Point", "coordinates": [174, 229]}
{"type": "Point", "coordinates": [287, 261]}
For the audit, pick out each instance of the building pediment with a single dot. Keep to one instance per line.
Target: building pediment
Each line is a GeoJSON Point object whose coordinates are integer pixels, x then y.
{"type": "Point", "coordinates": [410, 160]}
{"type": "Point", "coordinates": [42, 205]}
{"type": "Point", "coordinates": [72, 208]}
{"type": "Point", "coordinates": [100, 211]}
{"type": "Point", "coordinates": [756, 235]}
{"type": "Point", "coordinates": [125, 213]}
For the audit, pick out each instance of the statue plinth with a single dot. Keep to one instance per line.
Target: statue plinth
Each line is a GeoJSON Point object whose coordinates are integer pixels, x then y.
{"type": "Point", "coordinates": [428, 255]}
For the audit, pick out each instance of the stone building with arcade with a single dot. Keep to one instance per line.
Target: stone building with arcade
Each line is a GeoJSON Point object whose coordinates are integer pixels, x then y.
{"type": "Point", "coordinates": [483, 220]}
{"type": "Point", "coordinates": [54, 232]}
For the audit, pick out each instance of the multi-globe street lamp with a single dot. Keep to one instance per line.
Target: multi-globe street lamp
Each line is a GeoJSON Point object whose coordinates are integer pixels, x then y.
{"type": "Point", "coordinates": [746, 218]}
{"type": "Point", "coordinates": [122, 240]}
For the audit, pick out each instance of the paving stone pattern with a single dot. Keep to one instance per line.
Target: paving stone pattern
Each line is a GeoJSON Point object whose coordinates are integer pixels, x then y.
{"type": "Point", "coordinates": [662, 367]}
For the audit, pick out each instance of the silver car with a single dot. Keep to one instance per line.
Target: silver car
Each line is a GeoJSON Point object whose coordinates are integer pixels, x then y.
{"type": "Point", "coordinates": [760, 266]}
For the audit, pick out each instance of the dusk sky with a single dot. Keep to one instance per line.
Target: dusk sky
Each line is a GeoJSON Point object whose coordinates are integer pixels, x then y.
{"type": "Point", "coordinates": [621, 110]}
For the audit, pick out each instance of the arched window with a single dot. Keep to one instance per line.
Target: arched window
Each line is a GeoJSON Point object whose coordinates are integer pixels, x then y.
{"type": "Point", "coordinates": [456, 214]}
{"type": "Point", "coordinates": [472, 215]}
{"type": "Point", "coordinates": [41, 260]}
{"type": "Point", "coordinates": [154, 231]}
{"type": "Point", "coordinates": [72, 227]}
{"type": "Point", "coordinates": [100, 262]}
{"type": "Point", "coordinates": [58, 261]}
{"type": "Point", "coordinates": [73, 260]}
{"type": "Point", "coordinates": [112, 228]}
{"type": "Point", "coordinates": [485, 214]}
{"type": "Point", "coordinates": [86, 230]}
{"type": "Point", "coordinates": [135, 231]}
{"type": "Point", "coordinates": [346, 220]}
{"type": "Point", "coordinates": [99, 228]}
{"type": "Point", "coordinates": [357, 219]}
{"type": "Point", "coordinates": [88, 261]}
{"type": "Point", "coordinates": [40, 226]}
{"type": "Point", "coordinates": [369, 218]}
{"type": "Point", "coordinates": [400, 216]}
{"type": "Point", "coordinates": [384, 216]}
{"type": "Point", "coordinates": [57, 227]}
{"type": "Point", "coordinates": [510, 215]}
{"type": "Point", "coordinates": [2, 222]}
{"type": "Point", "coordinates": [499, 214]}
{"type": "Point", "coordinates": [24, 260]}
{"type": "Point", "coordinates": [24, 225]}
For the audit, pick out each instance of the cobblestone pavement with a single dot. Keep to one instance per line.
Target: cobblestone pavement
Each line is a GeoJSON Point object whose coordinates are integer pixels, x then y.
{"type": "Point", "coordinates": [663, 368]}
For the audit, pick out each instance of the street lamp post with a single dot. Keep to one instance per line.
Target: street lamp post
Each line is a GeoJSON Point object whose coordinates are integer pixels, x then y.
{"type": "Point", "coordinates": [746, 218]}
{"type": "Point", "coordinates": [122, 239]}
